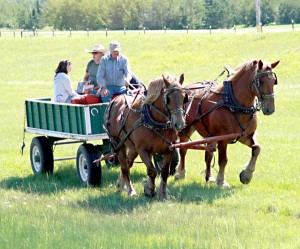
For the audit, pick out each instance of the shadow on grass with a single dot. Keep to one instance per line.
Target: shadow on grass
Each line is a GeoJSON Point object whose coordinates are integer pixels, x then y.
{"type": "Point", "coordinates": [64, 177]}
{"type": "Point", "coordinates": [109, 200]}
{"type": "Point", "coordinates": [199, 193]}
{"type": "Point", "coordinates": [188, 192]}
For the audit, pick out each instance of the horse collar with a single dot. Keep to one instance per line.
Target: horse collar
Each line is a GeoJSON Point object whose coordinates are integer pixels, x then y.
{"type": "Point", "coordinates": [149, 122]}
{"type": "Point", "coordinates": [231, 102]}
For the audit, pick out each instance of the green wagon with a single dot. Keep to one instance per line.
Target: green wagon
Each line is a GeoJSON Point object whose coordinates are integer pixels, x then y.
{"type": "Point", "coordinates": [60, 123]}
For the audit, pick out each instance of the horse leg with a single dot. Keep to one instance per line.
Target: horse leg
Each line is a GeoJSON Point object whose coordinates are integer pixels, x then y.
{"type": "Point", "coordinates": [162, 193]}
{"type": "Point", "coordinates": [247, 173]}
{"type": "Point", "coordinates": [124, 179]}
{"type": "Point", "coordinates": [209, 177]}
{"type": "Point", "coordinates": [149, 187]}
{"type": "Point", "coordinates": [222, 149]}
{"type": "Point", "coordinates": [180, 171]}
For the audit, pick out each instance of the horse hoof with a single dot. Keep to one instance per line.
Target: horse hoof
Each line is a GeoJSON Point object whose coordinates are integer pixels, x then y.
{"type": "Point", "coordinates": [211, 179]}
{"type": "Point", "coordinates": [223, 184]}
{"type": "Point", "coordinates": [179, 176]}
{"type": "Point", "coordinates": [163, 198]}
{"type": "Point", "coordinates": [149, 192]}
{"type": "Point", "coordinates": [132, 193]}
{"type": "Point", "coordinates": [120, 185]}
{"type": "Point", "coordinates": [245, 178]}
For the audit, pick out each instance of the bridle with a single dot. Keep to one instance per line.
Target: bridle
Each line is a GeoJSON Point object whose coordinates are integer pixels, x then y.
{"type": "Point", "coordinates": [256, 81]}
{"type": "Point", "coordinates": [167, 92]}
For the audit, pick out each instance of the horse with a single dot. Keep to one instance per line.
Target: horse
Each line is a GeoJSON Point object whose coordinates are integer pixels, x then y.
{"type": "Point", "coordinates": [145, 125]}
{"type": "Point", "coordinates": [228, 108]}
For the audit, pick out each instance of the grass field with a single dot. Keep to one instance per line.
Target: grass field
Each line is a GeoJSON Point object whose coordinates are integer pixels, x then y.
{"type": "Point", "coordinates": [56, 212]}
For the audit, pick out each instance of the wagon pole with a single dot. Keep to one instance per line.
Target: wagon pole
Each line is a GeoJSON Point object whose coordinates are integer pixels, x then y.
{"type": "Point", "coordinates": [106, 157]}
{"type": "Point", "coordinates": [196, 144]}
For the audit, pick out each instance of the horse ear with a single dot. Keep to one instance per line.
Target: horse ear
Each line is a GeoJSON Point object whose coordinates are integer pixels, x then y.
{"type": "Point", "coordinates": [181, 79]}
{"type": "Point", "coordinates": [167, 83]}
{"type": "Point", "coordinates": [260, 65]}
{"type": "Point", "coordinates": [273, 65]}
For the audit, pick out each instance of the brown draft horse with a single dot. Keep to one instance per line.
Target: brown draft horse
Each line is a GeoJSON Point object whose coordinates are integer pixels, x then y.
{"type": "Point", "coordinates": [145, 126]}
{"type": "Point", "coordinates": [230, 108]}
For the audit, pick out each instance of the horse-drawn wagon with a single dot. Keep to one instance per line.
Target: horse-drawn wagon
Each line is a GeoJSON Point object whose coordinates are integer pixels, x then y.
{"type": "Point", "coordinates": [59, 124]}
{"type": "Point", "coordinates": [221, 114]}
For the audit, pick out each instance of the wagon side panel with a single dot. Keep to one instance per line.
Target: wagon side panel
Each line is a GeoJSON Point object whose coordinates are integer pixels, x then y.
{"type": "Point", "coordinates": [97, 118]}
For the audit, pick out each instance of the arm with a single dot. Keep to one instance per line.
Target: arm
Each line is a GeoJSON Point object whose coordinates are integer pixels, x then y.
{"type": "Point", "coordinates": [127, 72]}
{"type": "Point", "coordinates": [68, 86]}
{"type": "Point", "coordinates": [101, 73]}
{"type": "Point", "coordinates": [86, 76]}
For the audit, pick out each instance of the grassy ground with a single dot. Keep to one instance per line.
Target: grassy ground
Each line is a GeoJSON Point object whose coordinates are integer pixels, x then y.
{"type": "Point", "coordinates": [55, 212]}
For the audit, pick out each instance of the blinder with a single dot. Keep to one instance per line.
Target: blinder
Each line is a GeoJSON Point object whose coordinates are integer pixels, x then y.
{"type": "Point", "coordinates": [186, 98]}
{"type": "Point", "coordinates": [258, 77]}
{"type": "Point", "coordinates": [166, 99]}
{"type": "Point", "coordinates": [275, 76]}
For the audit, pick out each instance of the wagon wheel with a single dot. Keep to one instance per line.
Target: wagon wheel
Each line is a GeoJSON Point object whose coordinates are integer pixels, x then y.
{"type": "Point", "coordinates": [88, 171]}
{"type": "Point", "coordinates": [158, 159]}
{"type": "Point", "coordinates": [41, 155]}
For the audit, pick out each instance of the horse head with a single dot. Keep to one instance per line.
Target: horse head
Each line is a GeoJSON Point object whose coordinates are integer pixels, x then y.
{"type": "Point", "coordinates": [168, 96]}
{"type": "Point", "coordinates": [174, 98]}
{"type": "Point", "coordinates": [262, 85]}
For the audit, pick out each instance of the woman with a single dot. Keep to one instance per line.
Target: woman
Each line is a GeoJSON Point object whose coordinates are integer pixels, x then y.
{"type": "Point", "coordinates": [63, 91]}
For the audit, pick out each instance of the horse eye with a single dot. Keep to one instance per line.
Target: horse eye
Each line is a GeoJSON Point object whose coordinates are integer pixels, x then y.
{"type": "Point", "coordinates": [185, 99]}
{"type": "Point", "coordinates": [261, 81]}
{"type": "Point", "coordinates": [168, 100]}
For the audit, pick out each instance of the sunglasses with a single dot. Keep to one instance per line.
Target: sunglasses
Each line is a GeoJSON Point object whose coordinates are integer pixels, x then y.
{"type": "Point", "coordinates": [96, 53]}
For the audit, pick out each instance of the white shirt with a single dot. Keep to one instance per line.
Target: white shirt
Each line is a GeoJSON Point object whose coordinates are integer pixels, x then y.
{"type": "Point", "coordinates": [62, 88]}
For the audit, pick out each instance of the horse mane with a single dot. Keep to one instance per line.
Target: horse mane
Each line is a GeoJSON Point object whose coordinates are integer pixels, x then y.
{"type": "Point", "coordinates": [240, 70]}
{"type": "Point", "coordinates": [156, 86]}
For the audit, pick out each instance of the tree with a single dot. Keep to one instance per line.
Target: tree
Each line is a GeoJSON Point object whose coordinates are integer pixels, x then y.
{"type": "Point", "coordinates": [288, 11]}
{"type": "Point", "coordinates": [268, 12]}
{"type": "Point", "coordinates": [217, 14]}
{"type": "Point", "coordinates": [136, 14]}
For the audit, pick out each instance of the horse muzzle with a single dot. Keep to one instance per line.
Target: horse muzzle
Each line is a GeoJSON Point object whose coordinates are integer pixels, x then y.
{"type": "Point", "coordinates": [268, 107]}
{"type": "Point", "coordinates": [178, 120]}
{"type": "Point", "coordinates": [268, 111]}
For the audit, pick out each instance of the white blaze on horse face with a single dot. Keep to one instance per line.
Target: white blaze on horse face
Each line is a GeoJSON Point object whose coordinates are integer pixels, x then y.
{"type": "Point", "coordinates": [177, 121]}
{"type": "Point", "coordinates": [177, 115]}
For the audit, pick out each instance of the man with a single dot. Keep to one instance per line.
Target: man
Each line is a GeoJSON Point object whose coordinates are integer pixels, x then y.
{"type": "Point", "coordinates": [92, 67]}
{"type": "Point", "coordinates": [114, 73]}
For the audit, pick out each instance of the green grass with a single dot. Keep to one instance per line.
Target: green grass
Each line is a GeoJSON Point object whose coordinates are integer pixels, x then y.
{"type": "Point", "coordinates": [55, 212]}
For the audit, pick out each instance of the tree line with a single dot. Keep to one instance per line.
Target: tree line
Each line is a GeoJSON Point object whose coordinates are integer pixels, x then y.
{"type": "Point", "coordinates": [143, 14]}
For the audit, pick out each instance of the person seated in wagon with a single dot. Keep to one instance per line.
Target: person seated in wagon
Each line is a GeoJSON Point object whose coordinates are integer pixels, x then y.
{"type": "Point", "coordinates": [63, 91]}
{"type": "Point", "coordinates": [98, 51]}
{"type": "Point", "coordinates": [114, 73]}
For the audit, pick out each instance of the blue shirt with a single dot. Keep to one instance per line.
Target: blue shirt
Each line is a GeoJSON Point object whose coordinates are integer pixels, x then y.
{"type": "Point", "coordinates": [113, 71]}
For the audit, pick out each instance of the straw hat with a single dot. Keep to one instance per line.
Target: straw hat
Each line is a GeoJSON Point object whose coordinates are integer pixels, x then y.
{"type": "Point", "coordinates": [97, 49]}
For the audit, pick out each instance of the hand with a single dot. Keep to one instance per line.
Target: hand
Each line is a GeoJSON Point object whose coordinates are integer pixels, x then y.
{"type": "Point", "coordinates": [104, 91]}
{"type": "Point", "coordinates": [87, 91]}
{"type": "Point", "coordinates": [127, 83]}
